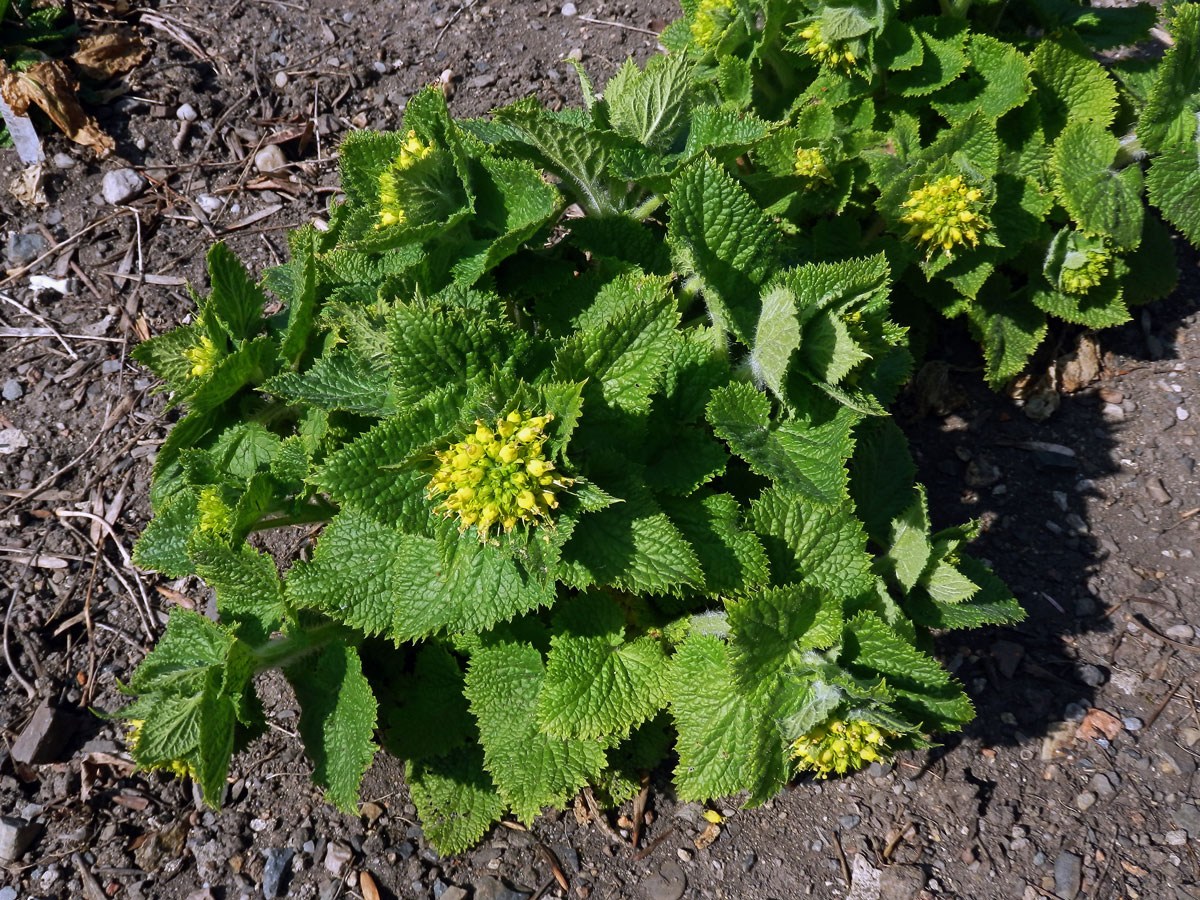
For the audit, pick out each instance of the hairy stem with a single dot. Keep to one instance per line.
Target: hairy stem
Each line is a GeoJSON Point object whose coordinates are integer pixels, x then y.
{"type": "Point", "coordinates": [281, 652]}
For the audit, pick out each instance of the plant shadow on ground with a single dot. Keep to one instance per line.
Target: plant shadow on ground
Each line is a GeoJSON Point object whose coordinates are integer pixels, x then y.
{"type": "Point", "coordinates": [981, 460]}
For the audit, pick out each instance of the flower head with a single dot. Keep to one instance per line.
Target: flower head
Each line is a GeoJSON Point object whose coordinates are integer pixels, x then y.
{"type": "Point", "coordinates": [411, 151]}
{"type": "Point", "coordinates": [827, 53]}
{"type": "Point", "coordinates": [202, 356]}
{"type": "Point", "coordinates": [177, 767]}
{"type": "Point", "coordinates": [215, 514]}
{"type": "Point", "coordinates": [1090, 267]}
{"type": "Point", "coordinates": [944, 213]}
{"type": "Point", "coordinates": [712, 20]}
{"type": "Point", "coordinates": [810, 163]}
{"type": "Point", "coordinates": [840, 746]}
{"type": "Point", "coordinates": [498, 476]}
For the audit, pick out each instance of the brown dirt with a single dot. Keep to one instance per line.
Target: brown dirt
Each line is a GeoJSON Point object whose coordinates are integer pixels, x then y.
{"type": "Point", "coordinates": [1100, 545]}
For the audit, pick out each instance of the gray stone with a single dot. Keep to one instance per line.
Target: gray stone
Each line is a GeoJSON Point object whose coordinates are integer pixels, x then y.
{"type": "Point", "coordinates": [278, 861]}
{"type": "Point", "coordinates": [337, 856]}
{"type": "Point", "coordinates": [1101, 785]}
{"type": "Point", "coordinates": [569, 9]}
{"type": "Point", "coordinates": [23, 249]}
{"type": "Point", "coordinates": [901, 883]}
{"type": "Point", "coordinates": [489, 888]}
{"type": "Point", "coordinates": [41, 740]}
{"type": "Point", "coordinates": [269, 158]}
{"type": "Point", "coordinates": [454, 893]}
{"type": "Point", "coordinates": [1176, 838]}
{"type": "Point", "coordinates": [668, 883]}
{"type": "Point", "coordinates": [1132, 723]}
{"type": "Point", "coordinates": [1085, 801]}
{"type": "Point", "coordinates": [849, 821]}
{"type": "Point", "coordinates": [121, 186]}
{"type": "Point", "coordinates": [12, 390]}
{"type": "Point", "coordinates": [63, 161]}
{"type": "Point", "coordinates": [1092, 676]}
{"type": "Point", "coordinates": [1068, 875]}
{"type": "Point", "coordinates": [1008, 657]}
{"type": "Point", "coordinates": [1181, 632]}
{"type": "Point", "coordinates": [15, 837]}
{"type": "Point", "coordinates": [110, 367]}
{"type": "Point", "coordinates": [186, 113]}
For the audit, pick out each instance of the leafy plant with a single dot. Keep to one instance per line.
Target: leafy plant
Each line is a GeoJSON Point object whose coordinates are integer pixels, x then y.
{"type": "Point", "coordinates": [1001, 165]}
{"type": "Point", "coordinates": [599, 464]}
{"type": "Point", "coordinates": [26, 35]}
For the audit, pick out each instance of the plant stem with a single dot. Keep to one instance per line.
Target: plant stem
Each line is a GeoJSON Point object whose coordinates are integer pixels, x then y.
{"type": "Point", "coordinates": [319, 511]}
{"type": "Point", "coordinates": [279, 653]}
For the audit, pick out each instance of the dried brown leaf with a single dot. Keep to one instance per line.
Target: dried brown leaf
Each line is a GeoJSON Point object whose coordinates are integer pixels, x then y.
{"type": "Point", "coordinates": [50, 87]}
{"type": "Point", "coordinates": [102, 56]}
{"type": "Point", "coordinates": [1098, 724]}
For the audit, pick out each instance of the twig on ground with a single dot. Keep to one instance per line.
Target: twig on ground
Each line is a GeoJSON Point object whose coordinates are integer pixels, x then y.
{"type": "Point", "coordinates": [598, 816]}
{"type": "Point", "coordinates": [458, 12]}
{"type": "Point", "coordinates": [21, 271]}
{"type": "Point", "coordinates": [1145, 623]}
{"type": "Point", "coordinates": [12, 602]}
{"type": "Point", "coordinates": [37, 317]}
{"type": "Point", "coordinates": [50, 332]}
{"type": "Point", "coordinates": [837, 843]}
{"type": "Point", "coordinates": [1158, 711]}
{"type": "Point", "coordinates": [144, 609]}
{"type": "Point", "coordinates": [650, 847]}
{"type": "Point", "coordinates": [620, 25]}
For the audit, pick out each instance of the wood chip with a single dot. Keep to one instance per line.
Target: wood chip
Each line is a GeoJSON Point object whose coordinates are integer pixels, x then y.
{"type": "Point", "coordinates": [1098, 724]}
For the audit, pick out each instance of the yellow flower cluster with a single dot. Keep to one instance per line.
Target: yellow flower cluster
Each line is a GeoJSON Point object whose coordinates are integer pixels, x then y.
{"type": "Point", "coordinates": [411, 150]}
{"type": "Point", "coordinates": [839, 746]}
{"type": "Point", "coordinates": [712, 18]}
{"type": "Point", "coordinates": [215, 514]}
{"type": "Point", "coordinates": [202, 357]}
{"type": "Point", "coordinates": [1083, 278]}
{"type": "Point", "coordinates": [810, 163]}
{"type": "Point", "coordinates": [825, 52]}
{"type": "Point", "coordinates": [498, 476]}
{"type": "Point", "coordinates": [943, 213]}
{"type": "Point", "coordinates": [177, 767]}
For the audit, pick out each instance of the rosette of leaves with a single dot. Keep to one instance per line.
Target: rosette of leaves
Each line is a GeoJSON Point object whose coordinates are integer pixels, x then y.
{"type": "Point", "coordinates": [1062, 145]}
{"type": "Point", "coordinates": [735, 554]}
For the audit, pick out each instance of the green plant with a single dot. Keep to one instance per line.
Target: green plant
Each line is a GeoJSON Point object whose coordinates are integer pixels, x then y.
{"type": "Point", "coordinates": [1057, 147]}
{"type": "Point", "coordinates": [600, 466]}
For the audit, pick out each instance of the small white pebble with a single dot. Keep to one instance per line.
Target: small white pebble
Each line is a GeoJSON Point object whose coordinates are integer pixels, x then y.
{"type": "Point", "coordinates": [281, 79]}
{"type": "Point", "coordinates": [1176, 838]}
{"type": "Point", "coordinates": [187, 113]}
{"type": "Point", "coordinates": [1181, 414]}
{"type": "Point", "coordinates": [569, 9]}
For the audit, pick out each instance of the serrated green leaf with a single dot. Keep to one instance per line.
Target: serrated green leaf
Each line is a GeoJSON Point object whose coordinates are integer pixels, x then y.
{"type": "Point", "coordinates": [187, 650]}
{"type": "Point", "coordinates": [1008, 326]}
{"type": "Point", "coordinates": [632, 546]}
{"type": "Point", "coordinates": [624, 356]}
{"type": "Point", "coordinates": [428, 718]}
{"type": "Point", "coordinates": [337, 381]}
{"type": "Point", "coordinates": [163, 355]}
{"type": "Point", "coordinates": [993, 604]}
{"type": "Point", "coordinates": [249, 365]}
{"type": "Point", "coordinates": [1174, 186]}
{"type": "Point", "coordinates": [162, 547]}
{"type": "Point", "coordinates": [244, 449]}
{"type": "Point", "coordinates": [773, 627]}
{"type": "Point", "coordinates": [247, 585]}
{"type": "Point", "coordinates": [598, 683]}
{"type": "Point", "coordinates": [432, 348]}
{"type": "Point", "coordinates": [925, 691]}
{"type": "Point", "coordinates": [1100, 195]}
{"type": "Point", "coordinates": [302, 306]}
{"type": "Point", "coordinates": [807, 459]}
{"type": "Point", "coordinates": [736, 81]}
{"type": "Point", "coordinates": [385, 471]}
{"type": "Point", "coordinates": [713, 719]}
{"type": "Point", "coordinates": [337, 721]}
{"type": "Point", "coordinates": [943, 60]}
{"type": "Point", "coordinates": [530, 769]}
{"type": "Point", "coordinates": [236, 301]}
{"type": "Point", "coordinates": [731, 557]}
{"type": "Point", "coordinates": [776, 338]}
{"type": "Point", "coordinates": [1168, 120]}
{"type": "Point", "coordinates": [650, 106]}
{"type": "Point", "coordinates": [946, 584]}
{"type": "Point", "coordinates": [997, 81]}
{"type": "Point", "coordinates": [718, 234]}
{"type": "Point", "coordinates": [455, 799]}
{"type": "Point", "coordinates": [350, 574]}
{"type": "Point", "coordinates": [881, 475]}
{"type": "Point", "coordinates": [1071, 87]}
{"type": "Point", "coordinates": [909, 547]}
{"type": "Point", "coordinates": [215, 744]}
{"type": "Point", "coordinates": [1101, 307]}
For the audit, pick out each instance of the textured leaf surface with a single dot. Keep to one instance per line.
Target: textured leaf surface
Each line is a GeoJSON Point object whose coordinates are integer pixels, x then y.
{"type": "Point", "coordinates": [337, 721]}
{"type": "Point", "coordinates": [248, 588]}
{"type": "Point", "coordinates": [1174, 185]}
{"type": "Point", "coordinates": [455, 799]}
{"type": "Point", "coordinates": [772, 628]}
{"type": "Point", "coordinates": [597, 682]}
{"type": "Point", "coordinates": [651, 106]}
{"type": "Point", "coordinates": [1101, 197]}
{"type": "Point", "coordinates": [713, 719]}
{"type": "Point", "coordinates": [997, 81]}
{"type": "Point", "coordinates": [530, 769]}
{"type": "Point", "coordinates": [806, 459]}
{"type": "Point", "coordinates": [881, 475]}
{"type": "Point", "coordinates": [337, 381]}
{"type": "Point", "coordinates": [718, 233]}
{"type": "Point", "coordinates": [236, 301]}
{"type": "Point", "coordinates": [731, 557]}
{"type": "Point", "coordinates": [1071, 87]}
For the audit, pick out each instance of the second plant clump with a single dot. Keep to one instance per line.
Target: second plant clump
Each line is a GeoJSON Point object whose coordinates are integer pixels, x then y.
{"type": "Point", "coordinates": [585, 413]}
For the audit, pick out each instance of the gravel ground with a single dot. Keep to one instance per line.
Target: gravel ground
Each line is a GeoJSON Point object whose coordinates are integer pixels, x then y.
{"type": "Point", "coordinates": [1078, 778]}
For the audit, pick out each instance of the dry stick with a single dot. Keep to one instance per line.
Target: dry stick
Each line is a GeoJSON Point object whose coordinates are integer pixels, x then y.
{"type": "Point", "coordinates": [12, 602]}
{"type": "Point", "coordinates": [837, 842]}
{"type": "Point", "coordinates": [146, 611]}
{"type": "Point", "coordinates": [620, 25]}
{"type": "Point", "coordinates": [22, 270]}
{"type": "Point", "coordinates": [1144, 623]}
{"type": "Point", "coordinates": [458, 12]}
{"type": "Point", "coordinates": [650, 847]}
{"type": "Point", "coordinates": [45, 322]}
{"type": "Point", "coordinates": [187, 186]}
{"type": "Point", "coordinates": [6, 332]}
{"type": "Point", "coordinates": [1159, 710]}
